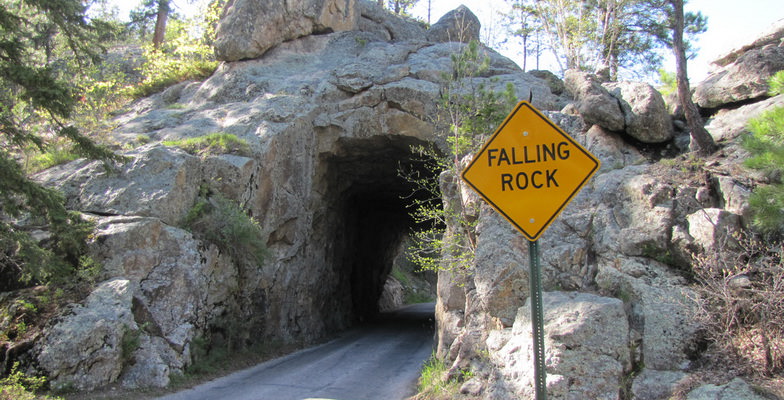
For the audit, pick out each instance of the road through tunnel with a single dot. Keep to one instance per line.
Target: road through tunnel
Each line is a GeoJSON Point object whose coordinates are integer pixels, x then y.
{"type": "Point", "coordinates": [369, 202]}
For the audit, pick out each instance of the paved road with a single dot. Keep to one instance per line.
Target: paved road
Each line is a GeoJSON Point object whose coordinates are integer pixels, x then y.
{"type": "Point", "coordinates": [379, 361]}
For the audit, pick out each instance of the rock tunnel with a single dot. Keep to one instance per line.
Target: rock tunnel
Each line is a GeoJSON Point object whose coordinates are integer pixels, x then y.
{"type": "Point", "coordinates": [368, 202]}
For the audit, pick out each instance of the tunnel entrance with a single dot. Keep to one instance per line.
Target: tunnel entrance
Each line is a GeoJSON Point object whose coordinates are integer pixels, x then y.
{"type": "Point", "coordinates": [368, 199]}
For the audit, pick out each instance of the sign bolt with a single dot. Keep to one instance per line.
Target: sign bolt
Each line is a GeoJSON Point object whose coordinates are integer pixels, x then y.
{"type": "Point", "coordinates": [532, 220]}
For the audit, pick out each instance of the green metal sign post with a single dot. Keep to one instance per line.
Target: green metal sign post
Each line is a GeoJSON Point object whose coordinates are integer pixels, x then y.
{"type": "Point", "coordinates": [537, 320]}
{"type": "Point", "coordinates": [528, 170]}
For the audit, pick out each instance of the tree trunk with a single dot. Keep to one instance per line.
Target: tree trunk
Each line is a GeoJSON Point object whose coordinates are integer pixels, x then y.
{"type": "Point", "coordinates": [160, 23]}
{"type": "Point", "coordinates": [701, 139]}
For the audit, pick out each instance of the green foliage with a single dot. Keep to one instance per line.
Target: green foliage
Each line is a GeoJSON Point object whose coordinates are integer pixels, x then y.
{"type": "Point", "coordinates": [776, 84]}
{"type": "Point", "coordinates": [468, 112]}
{"type": "Point", "coordinates": [18, 386]}
{"type": "Point", "coordinates": [58, 152]}
{"type": "Point", "coordinates": [37, 98]}
{"type": "Point", "coordinates": [767, 205]}
{"type": "Point", "coordinates": [23, 259]}
{"type": "Point", "coordinates": [182, 57]}
{"type": "Point", "coordinates": [89, 270]}
{"type": "Point", "coordinates": [223, 223]}
{"type": "Point", "coordinates": [401, 7]}
{"type": "Point", "coordinates": [131, 339]}
{"type": "Point", "coordinates": [413, 297]}
{"type": "Point", "coordinates": [205, 359]}
{"type": "Point", "coordinates": [214, 143]}
{"type": "Point", "coordinates": [766, 146]}
{"type": "Point", "coordinates": [669, 82]}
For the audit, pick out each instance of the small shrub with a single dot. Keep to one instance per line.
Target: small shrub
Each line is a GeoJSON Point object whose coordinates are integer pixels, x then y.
{"type": "Point", "coordinates": [766, 146]}
{"type": "Point", "coordinates": [89, 270]}
{"type": "Point", "coordinates": [669, 83]}
{"type": "Point", "coordinates": [214, 143]}
{"type": "Point", "coordinates": [224, 223]}
{"type": "Point", "coordinates": [414, 297]}
{"type": "Point", "coordinates": [206, 359]}
{"type": "Point", "coordinates": [468, 111]}
{"type": "Point", "coordinates": [401, 276]}
{"type": "Point", "coordinates": [776, 84]}
{"type": "Point", "coordinates": [18, 386]}
{"type": "Point", "coordinates": [131, 340]}
{"type": "Point", "coordinates": [741, 305]}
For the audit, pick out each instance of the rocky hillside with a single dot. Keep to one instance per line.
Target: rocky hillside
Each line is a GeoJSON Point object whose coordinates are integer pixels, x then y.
{"type": "Point", "coordinates": [620, 307]}
{"type": "Point", "coordinates": [329, 99]}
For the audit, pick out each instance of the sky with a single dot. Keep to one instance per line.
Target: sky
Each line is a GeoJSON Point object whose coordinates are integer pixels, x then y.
{"type": "Point", "coordinates": [731, 23]}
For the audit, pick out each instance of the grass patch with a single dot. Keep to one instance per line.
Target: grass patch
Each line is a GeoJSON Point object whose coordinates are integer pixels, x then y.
{"type": "Point", "coordinates": [214, 143]}
{"type": "Point", "coordinates": [434, 382]}
{"type": "Point", "coordinates": [56, 154]}
{"type": "Point", "coordinates": [162, 71]}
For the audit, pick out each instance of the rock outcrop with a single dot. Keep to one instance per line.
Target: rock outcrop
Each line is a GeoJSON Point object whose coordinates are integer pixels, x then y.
{"type": "Point", "coordinates": [743, 73]}
{"type": "Point", "coordinates": [249, 28]}
{"type": "Point", "coordinates": [745, 79]}
{"type": "Point", "coordinates": [624, 239]}
{"type": "Point", "coordinates": [635, 108]}
{"type": "Point", "coordinates": [458, 25]}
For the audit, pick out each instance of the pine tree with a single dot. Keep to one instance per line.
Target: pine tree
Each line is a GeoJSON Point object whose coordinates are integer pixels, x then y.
{"type": "Point", "coordinates": [35, 104]}
{"type": "Point", "coordinates": [701, 139]}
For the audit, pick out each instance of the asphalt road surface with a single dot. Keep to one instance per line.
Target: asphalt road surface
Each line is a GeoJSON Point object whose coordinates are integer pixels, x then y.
{"type": "Point", "coordinates": [378, 361]}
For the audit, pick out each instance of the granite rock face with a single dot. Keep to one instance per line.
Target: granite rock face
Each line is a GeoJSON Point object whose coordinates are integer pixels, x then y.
{"type": "Point", "coordinates": [742, 74]}
{"type": "Point", "coordinates": [249, 28]}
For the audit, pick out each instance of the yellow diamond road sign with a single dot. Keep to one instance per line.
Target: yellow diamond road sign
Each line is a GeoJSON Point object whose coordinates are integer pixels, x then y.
{"type": "Point", "coordinates": [529, 170]}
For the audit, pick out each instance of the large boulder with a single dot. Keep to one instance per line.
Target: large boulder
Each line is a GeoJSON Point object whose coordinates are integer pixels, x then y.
{"type": "Point", "coordinates": [388, 26]}
{"type": "Point", "coordinates": [249, 28]}
{"type": "Point", "coordinates": [745, 79]}
{"type": "Point", "coordinates": [586, 336]}
{"type": "Point", "coordinates": [87, 348]}
{"type": "Point", "coordinates": [736, 389]}
{"type": "Point", "coordinates": [458, 25]}
{"type": "Point", "coordinates": [632, 107]}
{"type": "Point", "coordinates": [663, 331]}
{"type": "Point", "coordinates": [138, 329]}
{"type": "Point", "coordinates": [772, 36]}
{"type": "Point", "coordinates": [730, 123]}
{"type": "Point", "coordinates": [157, 181]}
{"type": "Point", "coordinates": [714, 229]}
{"type": "Point", "coordinates": [645, 114]}
{"type": "Point", "coordinates": [594, 102]}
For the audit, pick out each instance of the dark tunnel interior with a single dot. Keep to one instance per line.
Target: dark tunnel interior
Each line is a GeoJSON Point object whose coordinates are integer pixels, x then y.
{"type": "Point", "coordinates": [369, 200]}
